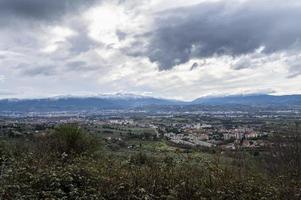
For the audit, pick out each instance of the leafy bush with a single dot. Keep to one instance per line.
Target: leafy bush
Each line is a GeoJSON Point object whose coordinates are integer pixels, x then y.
{"type": "Point", "coordinates": [70, 139]}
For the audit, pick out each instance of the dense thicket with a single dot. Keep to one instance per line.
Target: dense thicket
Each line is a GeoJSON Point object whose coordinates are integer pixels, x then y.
{"type": "Point", "coordinates": [68, 164]}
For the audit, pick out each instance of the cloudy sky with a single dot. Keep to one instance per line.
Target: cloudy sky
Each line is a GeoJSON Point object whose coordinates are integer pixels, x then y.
{"type": "Point", "coordinates": [181, 49]}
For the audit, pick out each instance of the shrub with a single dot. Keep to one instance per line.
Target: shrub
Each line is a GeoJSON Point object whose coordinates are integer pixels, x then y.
{"type": "Point", "coordinates": [70, 139]}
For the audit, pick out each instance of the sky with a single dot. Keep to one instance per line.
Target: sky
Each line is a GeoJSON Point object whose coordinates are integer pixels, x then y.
{"type": "Point", "coordinates": [175, 49]}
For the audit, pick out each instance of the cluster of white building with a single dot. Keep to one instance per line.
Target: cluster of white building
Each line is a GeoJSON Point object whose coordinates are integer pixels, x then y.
{"type": "Point", "coordinates": [239, 134]}
{"type": "Point", "coordinates": [188, 139]}
{"type": "Point", "coordinates": [122, 121]}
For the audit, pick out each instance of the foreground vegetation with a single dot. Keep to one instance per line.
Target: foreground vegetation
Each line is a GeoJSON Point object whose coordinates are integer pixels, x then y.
{"type": "Point", "coordinates": [70, 164]}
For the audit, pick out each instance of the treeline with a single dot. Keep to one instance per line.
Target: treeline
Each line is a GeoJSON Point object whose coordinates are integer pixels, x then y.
{"type": "Point", "coordinates": [71, 164]}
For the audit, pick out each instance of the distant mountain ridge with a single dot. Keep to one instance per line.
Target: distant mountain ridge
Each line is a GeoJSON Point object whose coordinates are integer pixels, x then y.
{"type": "Point", "coordinates": [251, 100]}
{"type": "Point", "coordinates": [72, 103]}
{"type": "Point", "coordinates": [129, 101]}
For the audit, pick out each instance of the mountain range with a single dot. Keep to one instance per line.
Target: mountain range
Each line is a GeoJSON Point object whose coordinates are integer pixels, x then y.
{"type": "Point", "coordinates": [72, 103]}
{"type": "Point", "coordinates": [251, 100]}
{"type": "Point", "coordinates": [129, 101]}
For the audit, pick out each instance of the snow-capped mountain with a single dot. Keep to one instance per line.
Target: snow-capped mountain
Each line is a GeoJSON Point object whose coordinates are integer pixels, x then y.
{"type": "Point", "coordinates": [129, 101]}
{"type": "Point", "coordinates": [79, 103]}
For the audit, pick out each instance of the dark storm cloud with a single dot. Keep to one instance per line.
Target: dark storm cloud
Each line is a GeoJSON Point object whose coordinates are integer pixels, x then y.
{"type": "Point", "coordinates": [195, 65]}
{"type": "Point", "coordinates": [121, 35]}
{"type": "Point", "coordinates": [80, 66]}
{"type": "Point", "coordinates": [224, 28]}
{"type": "Point", "coordinates": [243, 63]}
{"type": "Point", "coordinates": [76, 64]}
{"type": "Point", "coordinates": [39, 9]}
{"type": "Point", "coordinates": [39, 70]}
{"type": "Point", "coordinates": [80, 42]}
{"type": "Point", "coordinates": [6, 93]}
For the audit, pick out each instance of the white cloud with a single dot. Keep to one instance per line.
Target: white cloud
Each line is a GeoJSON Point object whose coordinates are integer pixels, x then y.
{"type": "Point", "coordinates": [2, 78]}
{"type": "Point", "coordinates": [54, 36]}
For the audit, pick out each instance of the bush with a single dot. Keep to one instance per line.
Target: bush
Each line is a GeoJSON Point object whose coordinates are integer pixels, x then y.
{"type": "Point", "coordinates": [70, 139]}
